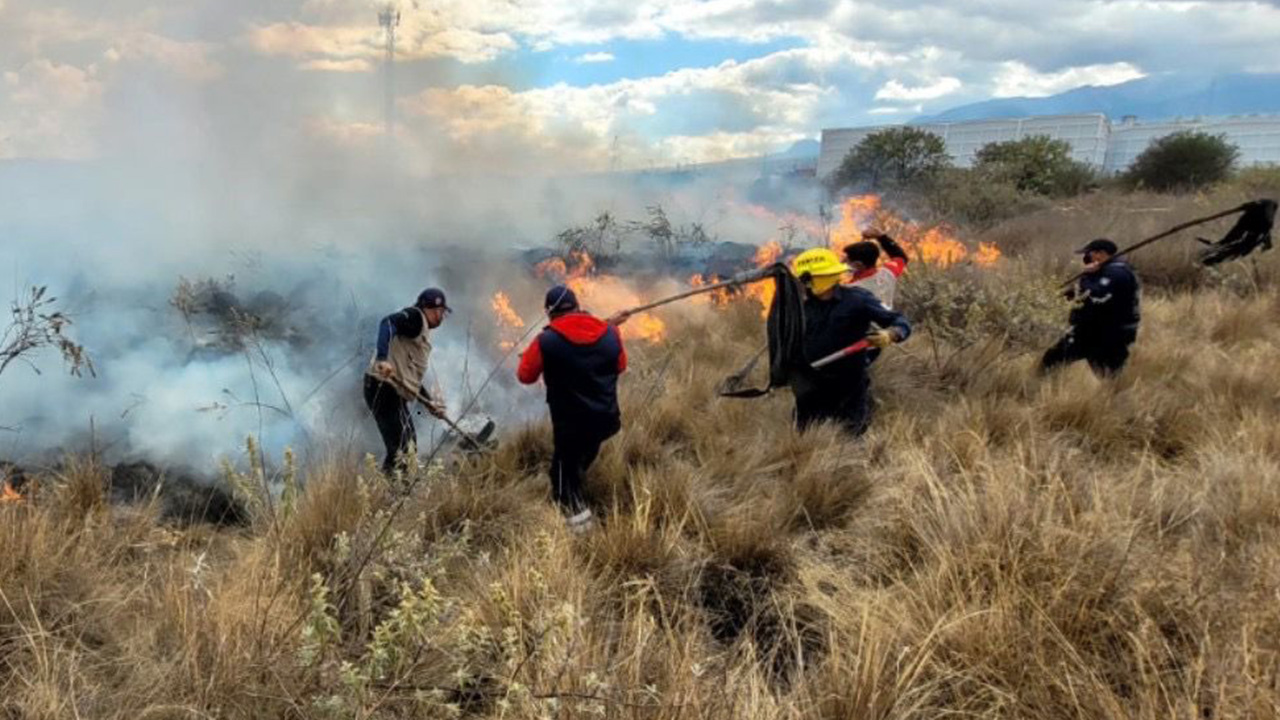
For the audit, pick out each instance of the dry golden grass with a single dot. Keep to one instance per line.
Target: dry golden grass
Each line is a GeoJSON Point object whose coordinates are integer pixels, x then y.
{"type": "Point", "coordinates": [997, 546]}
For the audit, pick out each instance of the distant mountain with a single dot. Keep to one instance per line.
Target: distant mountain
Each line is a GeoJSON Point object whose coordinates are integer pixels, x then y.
{"type": "Point", "coordinates": [1155, 97]}
{"type": "Point", "coordinates": [802, 149]}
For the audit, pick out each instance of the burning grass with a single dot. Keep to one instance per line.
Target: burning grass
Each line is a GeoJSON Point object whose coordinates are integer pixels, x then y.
{"type": "Point", "coordinates": [997, 546]}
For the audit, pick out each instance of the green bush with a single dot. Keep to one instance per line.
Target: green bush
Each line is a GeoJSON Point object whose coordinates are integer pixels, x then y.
{"type": "Point", "coordinates": [1183, 161]}
{"type": "Point", "coordinates": [903, 158]}
{"type": "Point", "coordinates": [1037, 165]}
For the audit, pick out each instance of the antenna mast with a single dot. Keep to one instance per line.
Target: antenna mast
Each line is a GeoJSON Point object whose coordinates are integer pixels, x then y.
{"type": "Point", "coordinates": [389, 19]}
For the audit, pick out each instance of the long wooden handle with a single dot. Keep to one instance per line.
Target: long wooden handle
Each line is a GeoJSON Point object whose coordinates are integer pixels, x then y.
{"type": "Point", "coordinates": [740, 279]}
{"type": "Point", "coordinates": [1163, 235]}
{"type": "Point", "coordinates": [452, 425]}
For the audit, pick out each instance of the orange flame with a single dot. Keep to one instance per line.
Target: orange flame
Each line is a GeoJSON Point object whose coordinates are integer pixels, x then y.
{"type": "Point", "coordinates": [507, 317]}
{"type": "Point", "coordinates": [9, 495]}
{"type": "Point", "coordinates": [604, 294]}
{"type": "Point", "coordinates": [509, 322]}
{"type": "Point", "coordinates": [934, 245]}
{"type": "Point", "coordinates": [768, 254]}
{"type": "Point", "coordinates": [718, 297]}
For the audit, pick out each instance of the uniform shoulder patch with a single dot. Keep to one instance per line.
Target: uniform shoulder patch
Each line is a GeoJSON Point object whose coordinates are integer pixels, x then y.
{"type": "Point", "coordinates": [1104, 281]}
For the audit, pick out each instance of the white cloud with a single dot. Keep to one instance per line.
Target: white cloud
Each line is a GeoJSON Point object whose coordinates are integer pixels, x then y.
{"type": "Point", "coordinates": [894, 90]}
{"type": "Point", "coordinates": [594, 57]}
{"type": "Point", "coordinates": [49, 110]}
{"type": "Point", "coordinates": [354, 65]}
{"type": "Point", "coordinates": [848, 60]}
{"type": "Point", "coordinates": [893, 110]}
{"type": "Point", "coordinates": [192, 61]}
{"type": "Point", "coordinates": [420, 35]}
{"type": "Point", "coordinates": [609, 124]}
{"type": "Point", "coordinates": [1016, 79]}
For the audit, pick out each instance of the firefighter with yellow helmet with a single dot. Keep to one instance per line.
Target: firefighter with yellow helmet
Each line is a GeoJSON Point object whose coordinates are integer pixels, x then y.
{"type": "Point", "coordinates": [836, 317]}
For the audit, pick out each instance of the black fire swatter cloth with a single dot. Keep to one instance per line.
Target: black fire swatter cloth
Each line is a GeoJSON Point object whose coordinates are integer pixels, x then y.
{"type": "Point", "coordinates": [785, 330]}
{"type": "Point", "coordinates": [1251, 231]}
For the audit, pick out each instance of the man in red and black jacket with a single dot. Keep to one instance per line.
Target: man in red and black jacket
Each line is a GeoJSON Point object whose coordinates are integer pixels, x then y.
{"type": "Point", "coordinates": [580, 358]}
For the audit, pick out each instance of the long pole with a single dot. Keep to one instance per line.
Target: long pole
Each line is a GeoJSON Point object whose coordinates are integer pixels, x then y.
{"type": "Point", "coordinates": [453, 425]}
{"type": "Point", "coordinates": [1161, 236]}
{"type": "Point", "coordinates": [740, 279]}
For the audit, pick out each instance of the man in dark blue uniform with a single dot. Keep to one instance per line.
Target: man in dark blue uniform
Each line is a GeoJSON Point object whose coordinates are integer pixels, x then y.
{"type": "Point", "coordinates": [579, 357]}
{"type": "Point", "coordinates": [1104, 322]}
{"type": "Point", "coordinates": [835, 317]}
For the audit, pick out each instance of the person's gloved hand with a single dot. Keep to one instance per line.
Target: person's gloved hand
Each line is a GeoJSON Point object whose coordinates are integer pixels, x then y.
{"type": "Point", "coordinates": [1069, 293]}
{"type": "Point", "coordinates": [882, 338]}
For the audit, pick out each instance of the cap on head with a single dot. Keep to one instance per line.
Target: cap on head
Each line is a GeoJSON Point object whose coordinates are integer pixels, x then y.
{"type": "Point", "coordinates": [560, 299]}
{"type": "Point", "coordinates": [433, 298]}
{"type": "Point", "coordinates": [865, 252]}
{"type": "Point", "coordinates": [1099, 245]}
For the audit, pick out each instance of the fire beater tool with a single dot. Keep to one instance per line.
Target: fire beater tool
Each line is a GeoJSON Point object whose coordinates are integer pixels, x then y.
{"type": "Point", "coordinates": [1255, 212]}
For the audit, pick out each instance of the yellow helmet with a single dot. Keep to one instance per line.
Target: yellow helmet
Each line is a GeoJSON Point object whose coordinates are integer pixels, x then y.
{"type": "Point", "coordinates": [818, 262]}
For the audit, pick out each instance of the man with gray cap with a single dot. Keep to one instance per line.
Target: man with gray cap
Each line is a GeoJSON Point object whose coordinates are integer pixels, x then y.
{"type": "Point", "coordinates": [579, 357]}
{"type": "Point", "coordinates": [394, 377]}
{"type": "Point", "coordinates": [1104, 322]}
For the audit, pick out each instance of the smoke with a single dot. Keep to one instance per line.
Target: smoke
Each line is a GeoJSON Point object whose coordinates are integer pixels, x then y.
{"type": "Point", "coordinates": [215, 180]}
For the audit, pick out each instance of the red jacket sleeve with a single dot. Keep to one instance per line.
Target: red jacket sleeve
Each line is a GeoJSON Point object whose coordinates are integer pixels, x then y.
{"type": "Point", "coordinates": [622, 354]}
{"type": "Point", "coordinates": [530, 363]}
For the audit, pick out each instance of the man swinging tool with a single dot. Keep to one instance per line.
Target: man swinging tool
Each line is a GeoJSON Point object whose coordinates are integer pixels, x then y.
{"type": "Point", "coordinates": [868, 273]}
{"type": "Point", "coordinates": [579, 357]}
{"type": "Point", "coordinates": [1104, 322]}
{"type": "Point", "coordinates": [836, 317]}
{"type": "Point", "coordinates": [394, 377]}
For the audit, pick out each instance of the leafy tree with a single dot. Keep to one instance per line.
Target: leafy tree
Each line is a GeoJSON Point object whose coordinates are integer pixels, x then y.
{"type": "Point", "coordinates": [905, 158]}
{"type": "Point", "coordinates": [1037, 164]}
{"type": "Point", "coordinates": [1185, 160]}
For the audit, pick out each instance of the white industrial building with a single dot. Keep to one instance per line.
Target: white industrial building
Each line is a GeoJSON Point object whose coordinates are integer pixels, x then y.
{"type": "Point", "coordinates": [1094, 139]}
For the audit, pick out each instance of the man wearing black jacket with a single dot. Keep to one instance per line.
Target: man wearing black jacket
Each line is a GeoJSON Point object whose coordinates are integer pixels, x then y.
{"type": "Point", "coordinates": [1104, 322]}
{"type": "Point", "coordinates": [579, 357]}
{"type": "Point", "coordinates": [835, 317]}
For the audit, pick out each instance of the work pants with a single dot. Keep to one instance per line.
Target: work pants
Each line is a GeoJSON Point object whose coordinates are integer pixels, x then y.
{"type": "Point", "coordinates": [846, 402]}
{"type": "Point", "coordinates": [577, 444]}
{"type": "Point", "coordinates": [395, 424]}
{"type": "Point", "coordinates": [1106, 351]}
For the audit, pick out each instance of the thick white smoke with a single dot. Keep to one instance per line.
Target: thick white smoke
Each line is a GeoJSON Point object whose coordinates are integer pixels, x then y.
{"type": "Point", "coordinates": [113, 242]}
{"type": "Point", "coordinates": [214, 178]}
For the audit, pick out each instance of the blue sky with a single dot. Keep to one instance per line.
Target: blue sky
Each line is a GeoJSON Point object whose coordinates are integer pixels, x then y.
{"type": "Point", "coordinates": [575, 64]}
{"type": "Point", "coordinates": [547, 86]}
